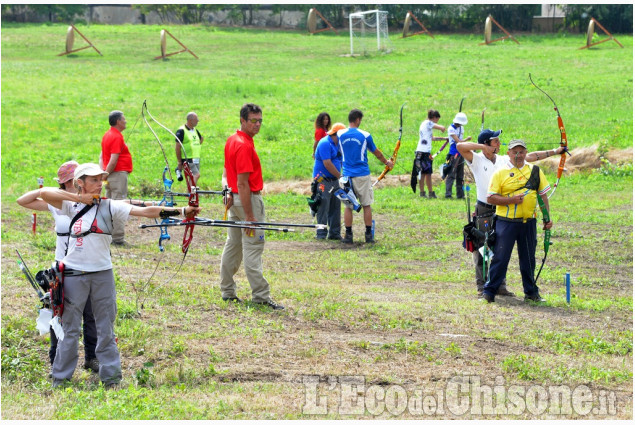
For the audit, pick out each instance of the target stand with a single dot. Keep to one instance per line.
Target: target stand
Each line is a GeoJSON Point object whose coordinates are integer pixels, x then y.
{"type": "Point", "coordinates": [311, 22]}
{"type": "Point", "coordinates": [164, 42]}
{"type": "Point", "coordinates": [488, 32]}
{"type": "Point", "coordinates": [406, 26]}
{"type": "Point", "coordinates": [70, 40]}
{"type": "Point", "coordinates": [591, 30]}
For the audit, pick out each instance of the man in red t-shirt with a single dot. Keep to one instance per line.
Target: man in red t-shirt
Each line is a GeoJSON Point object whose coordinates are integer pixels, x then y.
{"type": "Point", "coordinates": [116, 161]}
{"type": "Point", "coordinates": [243, 175]}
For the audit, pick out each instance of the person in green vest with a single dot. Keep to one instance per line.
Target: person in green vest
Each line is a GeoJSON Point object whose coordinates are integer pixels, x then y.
{"type": "Point", "coordinates": [190, 140]}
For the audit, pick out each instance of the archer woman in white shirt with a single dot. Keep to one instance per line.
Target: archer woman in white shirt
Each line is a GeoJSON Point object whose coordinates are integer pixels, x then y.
{"type": "Point", "coordinates": [87, 268]}
{"type": "Point", "coordinates": [32, 201]}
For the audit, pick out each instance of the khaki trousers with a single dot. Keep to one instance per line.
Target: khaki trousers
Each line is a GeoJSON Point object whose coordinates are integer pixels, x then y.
{"type": "Point", "coordinates": [248, 249]}
{"type": "Point", "coordinates": [117, 188]}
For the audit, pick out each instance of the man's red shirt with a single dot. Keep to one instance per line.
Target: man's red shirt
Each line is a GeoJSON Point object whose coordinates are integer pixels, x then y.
{"type": "Point", "coordinates": [241, 157]}
{"type": "Point", "coordinates": [113, 143]}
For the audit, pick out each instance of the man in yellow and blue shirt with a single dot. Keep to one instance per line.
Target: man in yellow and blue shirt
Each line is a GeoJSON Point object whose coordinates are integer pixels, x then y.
{"type": "Point", "coordinates": [515, 221]}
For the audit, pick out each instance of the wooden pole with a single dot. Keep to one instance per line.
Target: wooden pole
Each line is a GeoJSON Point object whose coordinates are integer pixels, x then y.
{"type": "Point", "coordinates": [326, 21]}
{"type": "Point", "coordinates": [422, 26]}
{"type": "Point", "coordinates": [508, 35]}
{"type": "Point", "coordinates": [185, 49]}
{"type": "Point", "coordinates": [602, 41]}
{"type": "Point", "coordinates": [503, 29]}
{"type": "Point", "coordinates": [81, 48]}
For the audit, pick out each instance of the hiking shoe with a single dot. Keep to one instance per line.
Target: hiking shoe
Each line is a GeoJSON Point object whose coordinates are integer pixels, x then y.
{"type": "Point", "coordinates": [92, 365]}
{"type": "Point", "coordinates": [111, 385]}
{"type": "Point", "coordinates": [348, 238]}
{"type": "Point", "coordinates": [335, 238]}
{"type": "Point", "coordinates": [271, 303]}
{"type": "Point", "coordinates": [369, 238]}
{"type": "Point", "coordinates": [433, 195]}
{"type": "Point", "coordinates": [232, 299]}
{"type": "Point", "coordinates": [504, 292]}
{"type": "Point", "coordinates": [57, 383]}
{"type": "Point", "coordinates": [422, 194]}
{"type": "Point", "coordinates": [487, 297]}
{"type": "Point", "coordinates": [535, 298]}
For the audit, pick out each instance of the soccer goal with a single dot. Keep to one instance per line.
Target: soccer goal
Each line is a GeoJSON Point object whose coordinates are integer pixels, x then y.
{"type": "Point", "coordinates": [369, 32]}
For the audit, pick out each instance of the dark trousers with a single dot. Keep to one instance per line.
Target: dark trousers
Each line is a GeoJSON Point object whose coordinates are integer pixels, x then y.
{"type": "Point", "coordinates": [484, 222]}
{"type": "Point", "coordinates": [89, 331]}
{"type": "Point", "coordinates": [330, 211]}
{"type": "Point", "coordinates": [508, 234]}
{"type": "Point", "coordinates": [457, 174]}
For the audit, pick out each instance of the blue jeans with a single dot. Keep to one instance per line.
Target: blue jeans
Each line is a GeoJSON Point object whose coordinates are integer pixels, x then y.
{"type": "Point", "coordinates": [508, 234]}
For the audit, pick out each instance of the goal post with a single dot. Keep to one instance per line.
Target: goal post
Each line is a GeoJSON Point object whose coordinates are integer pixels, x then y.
{"type": "Point", "coordinates": [369, 31]}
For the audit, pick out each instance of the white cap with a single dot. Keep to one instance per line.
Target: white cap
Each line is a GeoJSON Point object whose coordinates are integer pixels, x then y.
{"type": "Point", "coordinates": [88, 169]}
{"type": "Point", "coordinates": [460, 118]}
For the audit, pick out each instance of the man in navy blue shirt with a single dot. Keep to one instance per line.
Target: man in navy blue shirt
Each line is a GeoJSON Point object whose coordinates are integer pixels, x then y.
{"type": "Point", "coordinates": [326, 173]}
{"type": "Point", "coordinates": [353, 144]}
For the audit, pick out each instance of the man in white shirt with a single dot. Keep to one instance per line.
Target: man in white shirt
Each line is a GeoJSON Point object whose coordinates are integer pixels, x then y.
{"type": "Point", "coordinates": [483, 165]}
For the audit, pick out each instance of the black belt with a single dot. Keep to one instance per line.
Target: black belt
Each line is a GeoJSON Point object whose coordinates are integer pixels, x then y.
{"type": "Point", "coordinates": [72, 272]}
{"type": "Point", "coordinates": [514, 220]}
{"type": "Point", "coordinates": [63, 234]}
{"type": "Point", "coordinates": [330, 179]}
{"type": "Point", "coordinates": [485, 205]}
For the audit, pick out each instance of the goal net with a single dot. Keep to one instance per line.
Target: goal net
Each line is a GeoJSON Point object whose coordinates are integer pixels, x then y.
{"type": "Point", "coordinates": [369, 32]}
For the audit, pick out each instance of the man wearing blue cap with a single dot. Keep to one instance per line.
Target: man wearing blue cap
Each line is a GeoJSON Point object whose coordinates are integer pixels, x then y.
{"type": "Point", "coordinates": [483, 165]}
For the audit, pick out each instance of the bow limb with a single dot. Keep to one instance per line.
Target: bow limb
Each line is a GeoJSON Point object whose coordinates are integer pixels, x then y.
{"type": "Point", "coordinates": [144, 110]}
{"type": "Point", "coordinates": [167, 200]}
{"type": "Point", "coordinates": [442, 147]}
{"type": "Point", "coordinates": [183, 153]}
{"type": "Point", "coordinates": [563, 139]}
{"type": "Point", "coordinates": [393, 158]}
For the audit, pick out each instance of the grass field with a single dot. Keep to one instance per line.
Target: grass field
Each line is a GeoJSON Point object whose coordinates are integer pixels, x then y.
{"type": "Point", "coordinates": [400, 315]}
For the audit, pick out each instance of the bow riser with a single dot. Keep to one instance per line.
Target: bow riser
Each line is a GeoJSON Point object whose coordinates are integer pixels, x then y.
{"type": "Point", "coordinates": [188, 235]}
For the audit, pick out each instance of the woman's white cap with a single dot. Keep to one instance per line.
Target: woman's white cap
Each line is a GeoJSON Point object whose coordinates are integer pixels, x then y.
{"type": "Point", "coordinates": [88, 169]}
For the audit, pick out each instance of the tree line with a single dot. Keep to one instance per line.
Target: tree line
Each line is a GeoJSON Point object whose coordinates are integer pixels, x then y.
{"type": "Point", "coordinates": [437, 17]}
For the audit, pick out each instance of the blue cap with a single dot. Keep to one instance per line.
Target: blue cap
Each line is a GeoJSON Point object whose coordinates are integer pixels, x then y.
{"type": "Point", "coordinates": [487, 135]}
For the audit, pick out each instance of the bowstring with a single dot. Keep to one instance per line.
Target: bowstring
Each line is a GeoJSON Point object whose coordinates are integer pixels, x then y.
{"type": "Point", "coordinates": [146, 285]}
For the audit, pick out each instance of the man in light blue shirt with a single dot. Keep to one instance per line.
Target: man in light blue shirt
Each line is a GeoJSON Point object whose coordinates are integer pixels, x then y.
{"type": "Point", "coordinates": [354, 144]}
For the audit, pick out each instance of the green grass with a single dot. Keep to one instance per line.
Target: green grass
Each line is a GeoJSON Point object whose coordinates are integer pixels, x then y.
{"type": "Point", "coordinates": [58, 106]}
{"type": "Point", "coordinates": [402, 311]}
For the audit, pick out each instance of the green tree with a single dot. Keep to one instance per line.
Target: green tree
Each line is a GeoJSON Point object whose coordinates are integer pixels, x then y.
{"type": "Point", "coordinates": [53, 12]}
{"type": "Point", "coordinates": [183, 13]}
{"type": "Point", "coordinates": [617, 18]}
